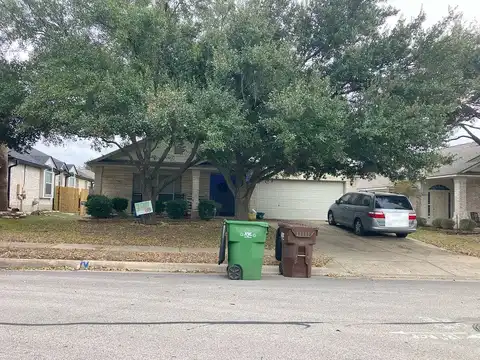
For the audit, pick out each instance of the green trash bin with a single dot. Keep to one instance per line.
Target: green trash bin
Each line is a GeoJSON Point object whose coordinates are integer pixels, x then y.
{"type": "Point", "coordinates": [246, 246]}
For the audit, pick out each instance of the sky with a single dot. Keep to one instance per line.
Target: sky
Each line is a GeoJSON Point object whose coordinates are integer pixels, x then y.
{"type": "Point", "coordinates": [79, 152]}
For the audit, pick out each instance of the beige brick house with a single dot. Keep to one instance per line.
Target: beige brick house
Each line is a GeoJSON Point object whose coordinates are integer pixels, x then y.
{"type": "Point", "coordinates": [293, 198]}
{"type": "Point", "coordinates": [34, 175]}
{"type": "Point", "coordinates": [453, 191]}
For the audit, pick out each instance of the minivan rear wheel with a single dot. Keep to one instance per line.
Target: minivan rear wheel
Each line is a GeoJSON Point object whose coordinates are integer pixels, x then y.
{"type": "Point", "coordinates": [358, 227]}
{"type": "Point", "coordinates": [331, 219]}
{"type": "Point", "coordinates": [401, 235]}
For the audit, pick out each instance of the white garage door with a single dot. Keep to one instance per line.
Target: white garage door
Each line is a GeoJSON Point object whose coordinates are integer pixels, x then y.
{"type": "Point", "coordinates": [296, 199]}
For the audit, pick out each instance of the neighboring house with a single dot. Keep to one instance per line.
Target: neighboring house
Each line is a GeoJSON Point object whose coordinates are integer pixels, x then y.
{"type": "Point", "coordinates": [292, 198]}
{"type": "Point", "coordinates": [453, 191]}
{"type": "Point", "coordinates": [33, 177]}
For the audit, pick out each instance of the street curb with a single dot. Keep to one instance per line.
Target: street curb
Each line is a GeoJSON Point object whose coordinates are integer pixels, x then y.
{"type": "Point", "coordinates": [6, 263]}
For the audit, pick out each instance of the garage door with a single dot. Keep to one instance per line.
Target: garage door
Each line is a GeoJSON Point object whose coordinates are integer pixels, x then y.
{"type": "Point", "coordinates": [296, 199]}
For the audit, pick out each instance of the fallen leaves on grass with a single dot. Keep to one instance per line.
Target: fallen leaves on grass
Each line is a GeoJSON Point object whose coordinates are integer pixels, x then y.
{"type": "Point", "coordinates": [183, 233]}
{"type": "Point", "coordinates": [458, 243]}
{"type": "Point", "coordinates": [161, 257]}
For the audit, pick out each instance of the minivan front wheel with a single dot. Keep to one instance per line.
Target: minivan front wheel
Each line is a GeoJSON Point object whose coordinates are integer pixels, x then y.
{"type": "Point", "coordinates": [358, 227]}
{"type": "Point", "coordinates": [331, 219]}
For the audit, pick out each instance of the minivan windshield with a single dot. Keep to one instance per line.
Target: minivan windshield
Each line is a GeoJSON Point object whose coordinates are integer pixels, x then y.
{"type": "Point", "coordinates": [392, 202]}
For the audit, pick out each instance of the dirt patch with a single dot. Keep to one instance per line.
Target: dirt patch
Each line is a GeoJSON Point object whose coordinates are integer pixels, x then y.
{"type": "Point", "coordinates": [71, 229]}
{"type": "Point", "coordinates": [160, 257]}
{"type": "Point", "coordinates": [458, 243]}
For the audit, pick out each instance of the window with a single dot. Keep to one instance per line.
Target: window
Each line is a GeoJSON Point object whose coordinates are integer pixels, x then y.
{"type": "Point", "coordinates": [392, 202]}
{"type": "Point", "coordinates": [72, 181]}
{"type": "Point", "coordinates": [48, 183]}
{"type": "Point", "coordinates": [345, 199]}
{"type": "Point", "coordinates": [362, 200]}
{"type": "Point", "coordinates": [179, 149]}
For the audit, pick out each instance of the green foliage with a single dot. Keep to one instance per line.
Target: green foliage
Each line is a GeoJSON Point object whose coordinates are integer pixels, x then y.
{"type": "Point", "coordinates": [421, 222]}
{"type": "Point", "coordinates": [207, 209]}
{"type": "Point", "coordinates": [99, 206]}
{"type": "Point", "coordinates": [176, 209]}
{"type": "Point", "coordinates": [260, 88]}
{"type": "Point", "coordinates": [467, 225]}
{"type": "Point", "coordinates": [447, 224]}
{"type": "Point", "coordinates": [159, 207]}
{"type": "Point", "coordinates": [119, 204]}
{"type": "Point", "coordinates": [437, 223]}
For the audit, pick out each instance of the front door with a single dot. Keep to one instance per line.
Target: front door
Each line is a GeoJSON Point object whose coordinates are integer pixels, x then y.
{"type": "Point", "coordinates": [439, 204]}
{"type": "Point", "coordinates": [220, 192]}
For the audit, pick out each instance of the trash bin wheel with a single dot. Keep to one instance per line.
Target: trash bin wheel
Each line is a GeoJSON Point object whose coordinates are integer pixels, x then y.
{"type": "Point", "coordinates": [234, 272]}
{"type": "Point", "coordinates": [280, 268]}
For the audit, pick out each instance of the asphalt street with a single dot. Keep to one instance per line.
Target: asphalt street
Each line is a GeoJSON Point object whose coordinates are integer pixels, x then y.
{"type": "Point", "coordinates": [101, 315]}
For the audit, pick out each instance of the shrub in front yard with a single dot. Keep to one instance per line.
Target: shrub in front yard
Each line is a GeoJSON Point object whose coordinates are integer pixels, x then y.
{"type": "Point", "coordinates": [421, 222]}
{"type": "Point", "coordinates": [437, 223]}
{"type": "Point", "coordinates": [206, 209]}
{"type": "Point", "coordinates": [159, 207]}
{"type": "Point", "coordinates": [176, 209]}
{"type": "Point", "coordinates": [119, 204]}
{"type": "Point", "coordinates": [448, 224]}
{"type": "Point", "coordinates": [99, 206]}
{"type": "Point", "coordinates": [467, 225]}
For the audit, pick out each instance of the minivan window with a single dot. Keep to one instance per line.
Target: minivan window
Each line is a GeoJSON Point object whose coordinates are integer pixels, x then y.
{"type": "Point", "coordinates": [360, 200]}
{"type": "Point", "coordinates": [392, 202]}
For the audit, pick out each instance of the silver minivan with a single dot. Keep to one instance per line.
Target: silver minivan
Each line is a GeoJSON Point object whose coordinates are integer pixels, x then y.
{"type": "Point", "coordinates": [374, 212]}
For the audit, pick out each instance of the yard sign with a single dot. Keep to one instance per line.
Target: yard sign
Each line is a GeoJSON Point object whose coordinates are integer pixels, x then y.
{"type": "Point", "coordinates": [143, 208]}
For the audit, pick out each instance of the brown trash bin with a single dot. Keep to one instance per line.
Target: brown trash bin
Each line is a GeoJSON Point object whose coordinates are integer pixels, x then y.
{"type": "Point", "coordinates": [297, 250]}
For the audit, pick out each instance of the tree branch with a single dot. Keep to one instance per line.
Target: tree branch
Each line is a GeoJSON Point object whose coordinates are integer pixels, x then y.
{"type": "Point", "coordinates": [164, 155]}
{"type": "Point", "coordinates": [471, 134]}
{"type": "Point", "coordinates": [138, 151]}
{"type": "Point", "coordinates": [186, 165]}
{"type": "Point", "coordinates": [460, 137]}
{"type": "Point", "coordinates": [471, 126]}
{"type": "Point", "coordinates": [122, 149]}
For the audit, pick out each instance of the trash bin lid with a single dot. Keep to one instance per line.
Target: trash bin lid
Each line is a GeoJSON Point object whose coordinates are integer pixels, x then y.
{"type": "Point", "coordinates": [249, 223]}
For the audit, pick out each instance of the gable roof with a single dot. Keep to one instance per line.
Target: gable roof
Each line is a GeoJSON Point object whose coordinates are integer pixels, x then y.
{"type": "Point", "coordinates": [465, 157]}
{"type": "Point", "coordinates": [39, 159]}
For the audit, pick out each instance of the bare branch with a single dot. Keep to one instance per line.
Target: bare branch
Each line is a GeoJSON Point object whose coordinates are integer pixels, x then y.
{"type": "Point", "coordinates": [164, 155]}
{"type": "Point", "coordinates": [138, 151]}
{"type": "Point", "coordinates": [471, 134]}
{"type": "Point", "coordinates": [123, 150]}
{"type": "Point", "coordinates": [460, 137]}
{"type": "Point", "coordinates": [186, 165]}
{"type": "Point", "coordinates": [471, 126]}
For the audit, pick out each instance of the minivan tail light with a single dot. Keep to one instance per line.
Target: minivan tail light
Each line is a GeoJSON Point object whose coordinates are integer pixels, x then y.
{"type": "Point", "coordinates": [376, 215]}
{"type": "Point", "coordinates": [412, 216]}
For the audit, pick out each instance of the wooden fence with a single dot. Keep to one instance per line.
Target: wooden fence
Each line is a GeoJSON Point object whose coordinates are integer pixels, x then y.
{"type": "Point", "coordinates": [70, 200]}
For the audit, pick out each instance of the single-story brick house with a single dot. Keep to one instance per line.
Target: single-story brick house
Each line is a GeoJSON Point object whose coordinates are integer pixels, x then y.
{"type": "Point", "coordinates": [453, 191]}
{"type": "Point", "coordinates": [33, 176]}
{"type": "Point", "coordinates": [293, 198]}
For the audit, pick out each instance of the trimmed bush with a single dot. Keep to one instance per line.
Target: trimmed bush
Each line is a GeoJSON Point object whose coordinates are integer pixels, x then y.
{"type": "Point", "coordinates": [99, 206]}
{"type": "Point", "coordinates": [206, 209]}
{"type": "Point", "coordinates": [119, 204]}
{"type": "Point", "coordinates": [421, 222]}
{"type": "Point", "coordinates": [467, 225]}
{"type": "Point", "coordinates": [448, 224]}
{"type": "Point", "coordinates": [159, 207]}
{"type": "Point", "coordinates": [176, 209]}
{"type": "Point", "coordinates": [437, 223]}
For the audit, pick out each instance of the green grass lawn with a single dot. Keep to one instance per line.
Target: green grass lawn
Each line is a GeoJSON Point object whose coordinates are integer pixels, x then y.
{"type": "Point", "coordinates": [458, 243]}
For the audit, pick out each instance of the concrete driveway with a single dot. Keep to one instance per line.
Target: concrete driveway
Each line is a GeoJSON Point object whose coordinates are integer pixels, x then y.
{"type": "Point", "coordinates": [389, 256]}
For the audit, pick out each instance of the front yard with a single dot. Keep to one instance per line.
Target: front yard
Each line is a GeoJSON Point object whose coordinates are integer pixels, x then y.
{"type": "Point", "coordinates": [183, 241]}
{"type": "Point", "coordinates": [59, 228]}
{"type": "Point", "coordinates": [458, 243]}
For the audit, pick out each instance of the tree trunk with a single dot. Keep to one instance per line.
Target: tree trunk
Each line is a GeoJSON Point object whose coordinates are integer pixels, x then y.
{"type": "Point", "coordinates": [243, 195]}
{"type": "Point", "coordinates": [148, 195]}
{"type": "Point", "coordinates": [3, 177]}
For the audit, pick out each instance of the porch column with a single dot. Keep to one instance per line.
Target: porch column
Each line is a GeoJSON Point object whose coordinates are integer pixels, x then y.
{"type": "Point", "coordinates": [195, 192]}
{"type": "Point", "coordinates": [460, 199]}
